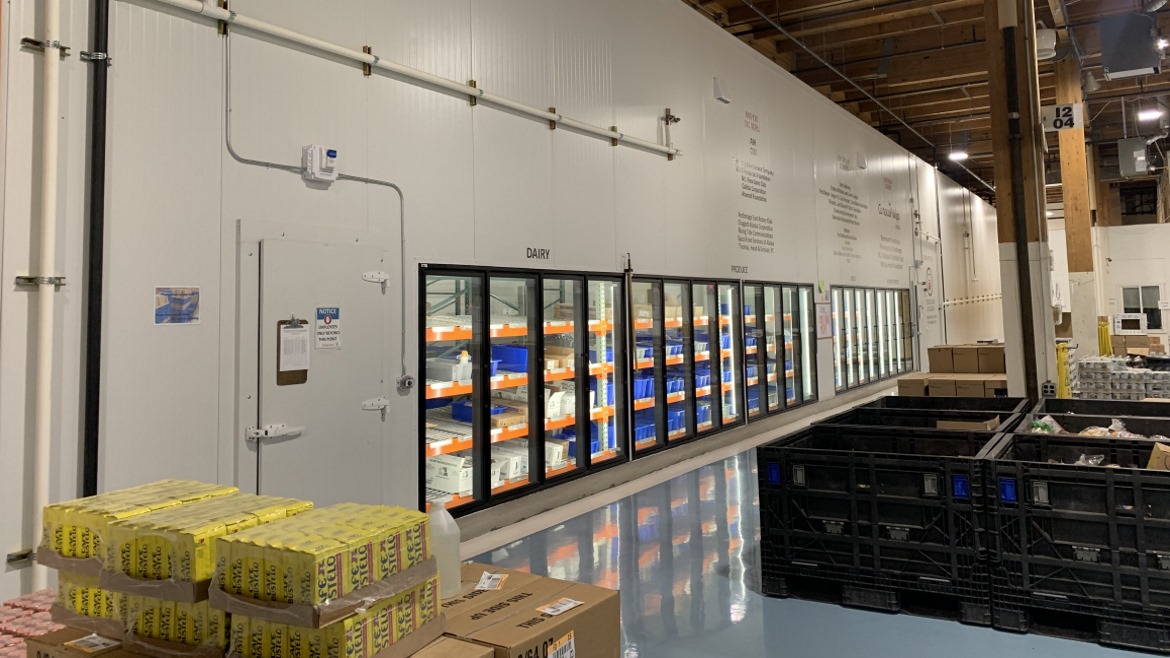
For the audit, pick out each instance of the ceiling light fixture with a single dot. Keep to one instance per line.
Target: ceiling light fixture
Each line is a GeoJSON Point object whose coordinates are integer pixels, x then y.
{"type": "Point", "coordinates": [958, 155]}
{"type": "Point", "coordinates": [1089, 82]}
{"type": "Point", "coordinates": [1163, 43]}
{"type": "Point", "coordinates": [1049, 213]}
{"type": "Point", "coordinates": [1149, 115]}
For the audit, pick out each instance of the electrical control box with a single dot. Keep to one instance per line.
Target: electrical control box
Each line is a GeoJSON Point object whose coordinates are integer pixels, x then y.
{"type": "Point", "coordinates": [319, 163]}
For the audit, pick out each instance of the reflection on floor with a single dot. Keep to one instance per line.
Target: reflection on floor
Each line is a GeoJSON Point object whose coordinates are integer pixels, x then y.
{"type": "Point", "coordinates": [684, 556]}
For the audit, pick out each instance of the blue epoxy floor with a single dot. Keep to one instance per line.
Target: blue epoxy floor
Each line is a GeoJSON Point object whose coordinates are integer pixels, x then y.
{"type": "Point", "coordinates": [684, 556]}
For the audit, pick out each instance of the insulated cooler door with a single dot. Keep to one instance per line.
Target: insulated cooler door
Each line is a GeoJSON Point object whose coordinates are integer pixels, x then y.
{"type": "Point", "coordinates": [606, 381]}
{"type": "Point", "coordinates": [513, 457]}
{"type": "Point", "coordinates": [564, 371]}
{"type": "Point", "coordinates": [839, 378]}
{"type": "Point", "coordinates": [805, 344]}
{"type": "Point", "coordinates": [321, 444]}
{"type": "Point", "coordinates": [649, 368]}
{"type": "Point", "coordinates": [678, 345]}
{"type": "Point", "coordinates": [731, 354]}
{"type": "Point", "coordinates": [772, 349]}
{"type": "Point", "coordinates": [704, 302]}
{"type": "Point", "coordinates": [753, 337]}
{"type": "Point", "coordinates": [454, 394]}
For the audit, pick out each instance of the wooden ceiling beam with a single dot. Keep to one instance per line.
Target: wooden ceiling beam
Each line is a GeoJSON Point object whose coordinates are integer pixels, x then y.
{"type": "Point", "coordinates": [900, 46]}
{"type": "Point", "coordinates": [867, 17]}
{"type": "Point", "coordinates": [836, 36]}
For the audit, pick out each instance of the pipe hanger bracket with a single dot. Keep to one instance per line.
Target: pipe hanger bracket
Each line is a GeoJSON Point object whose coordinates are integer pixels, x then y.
{"type": "Point", "coordinates": [34, 281]}
{"type": "Point", "coordinates": [38, 44]}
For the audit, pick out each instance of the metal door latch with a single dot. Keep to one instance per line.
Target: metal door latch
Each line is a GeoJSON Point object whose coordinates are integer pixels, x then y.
{"type": "Point", "coordinates": [377, 404]}
{"type": "Point", "coordinates": [256, 434]}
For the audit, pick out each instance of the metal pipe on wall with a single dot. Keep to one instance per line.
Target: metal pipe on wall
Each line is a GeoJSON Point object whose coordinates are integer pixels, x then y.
{"type": "Point", "coordinates": [414, 75]}
{"type": "Point", "coordinates": [47, 281]}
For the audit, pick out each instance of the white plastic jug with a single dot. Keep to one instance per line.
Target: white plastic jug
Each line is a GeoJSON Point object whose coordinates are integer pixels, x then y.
{"type": "Point", "coordinates": [445, 538]}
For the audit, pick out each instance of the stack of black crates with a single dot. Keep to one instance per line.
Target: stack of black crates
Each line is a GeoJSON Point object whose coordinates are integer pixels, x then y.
{"type": "Point", "coordinates": [953, 507]}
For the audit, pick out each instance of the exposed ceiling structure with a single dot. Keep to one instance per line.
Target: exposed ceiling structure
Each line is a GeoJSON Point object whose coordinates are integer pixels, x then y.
{"type": "Point", "coordinates": [926, 63]}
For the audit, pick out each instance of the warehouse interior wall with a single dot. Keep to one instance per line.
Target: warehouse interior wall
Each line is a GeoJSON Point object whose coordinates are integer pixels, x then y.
{"type": "Point", "coordinates": [973, 297]}
{"type": "Point", "coordinates": [1134, 256]}
{"type": "Point", "coordinates": [483, 187]}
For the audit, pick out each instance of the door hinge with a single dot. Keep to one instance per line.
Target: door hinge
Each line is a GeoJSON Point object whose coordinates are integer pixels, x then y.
{"type": "Point", "coordinates": [377, 404]}
{"type": "Point", "coordinates": [281, 431]}
{"type": "Point", "coordinates": [375, 277]}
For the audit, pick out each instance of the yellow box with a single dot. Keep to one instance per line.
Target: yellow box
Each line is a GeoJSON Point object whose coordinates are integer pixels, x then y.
{"type": "Point", "coordinates": [240, 633]}
{"type": "Point", "coordinates": [166, 620]}
{"type": "Point", "coordinates": [216, 633]}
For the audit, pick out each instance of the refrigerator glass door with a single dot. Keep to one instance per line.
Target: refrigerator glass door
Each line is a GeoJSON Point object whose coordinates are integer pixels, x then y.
{"type": "Point", "coordinates": [705, 302]}
{"type": "Point", "coordinates": [511, 463]}
{"type": "Point", "coordinates": [605, 405]}
{"type": "Point", "coordinates": [753, 337]}
{"type": "Point", "coordinates": [678, 345]}
{"type": "Point", "coordinates": [839, 379]}
{"type": "Point", "coordinates": [730, 335]}
{"type": "Point", "coordinates": [861, 326]}
{"type": "Point", "coordinates": [806, 340]}
{"type": "Point", "coordinates": [772, 348]}
{"type": "Point", "coordinates": [648, 379]}
{"type": "Point", "coordinates": [453, 336]}
{"type": "Point", "coordinates": [563, 332]}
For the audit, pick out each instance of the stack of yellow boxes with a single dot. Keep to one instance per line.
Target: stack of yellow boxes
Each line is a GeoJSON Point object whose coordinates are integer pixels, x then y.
{"type": "Point", "coordinates": [320, 561]}
{"type": "Point", "coordinates": [175, 547]}
{"type": "Point", "coordinates": [75, 536]}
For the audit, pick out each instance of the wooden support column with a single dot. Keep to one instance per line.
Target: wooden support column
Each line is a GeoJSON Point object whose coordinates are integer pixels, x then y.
{"type": "Point", "coordinates": [1014, 93]}
{"type": "Point", "coordinates": [1078, 220]}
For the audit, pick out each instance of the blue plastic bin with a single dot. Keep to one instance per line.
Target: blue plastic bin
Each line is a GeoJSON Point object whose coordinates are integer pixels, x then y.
{"type": "Point", "coordinates": [608, 355]}
{"type": "Point", "coordinates": [513, 358]}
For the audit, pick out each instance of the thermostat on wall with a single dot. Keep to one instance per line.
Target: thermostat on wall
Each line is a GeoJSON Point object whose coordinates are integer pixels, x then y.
{"type": "Point", "coordinates": [319, 163]}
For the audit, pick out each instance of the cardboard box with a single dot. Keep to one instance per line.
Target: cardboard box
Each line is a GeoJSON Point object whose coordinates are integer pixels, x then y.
{"type": "Point", "coordinates": [1159, 458]}
{"type": "Point", "coordinates": [450, 474]}
{"type": "Point", "coordinates": [529, 612]}
{"type": "Point", "coordinates": [970, 386]}
{"type": "Point", "coordinates": [942, 387]}
{"type": "Point", "coordinates": [450, 647]}
{"type": "Point", "coordinates": [913, 385]}
{"type": "Point", "coordinates": [965, 358]}
{"type": "Point", "coordinates": [992, 359]}
{"type": "Point", "coordinates": [643, 311]}
{"type": "Point", "coordinates": [53, 646]}
{"type": "Point", "coordinates": [989, 424]}
{"type": "Point", "coordinates": [995, 387]}
{"type": "Point", "coordinates": [1118, 344]}
{"type": "Point", "coordinates": [942, 359]}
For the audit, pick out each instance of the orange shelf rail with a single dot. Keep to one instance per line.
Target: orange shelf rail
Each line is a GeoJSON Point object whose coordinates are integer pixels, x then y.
{"type": "Point", "coordinates": [442, 334]}
{"type": "Point", "coordinates": [559, 374]}
{"type": "Point", "coordinates": [676, 397]}
{"type": "Point", "coordinates": [567, 421]}
{"type": "Point", "coordinates": [447, 390]}
{"type": "Point", "coordinates": [508, 331]}
{"type": "Point", "coordinates": [508, 381]}
{"type": "Point", "coordinates": [647, 403]}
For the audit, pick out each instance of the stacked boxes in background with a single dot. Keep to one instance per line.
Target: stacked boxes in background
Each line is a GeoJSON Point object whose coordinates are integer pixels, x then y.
{"type": "Point", "coordinates": [348, 580]}
{"type": "Point", "coordinates": [960, 371]}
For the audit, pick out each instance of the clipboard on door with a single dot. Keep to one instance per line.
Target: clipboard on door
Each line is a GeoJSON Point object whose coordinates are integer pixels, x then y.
{"type": "Point", "coordinates": [292, 351]}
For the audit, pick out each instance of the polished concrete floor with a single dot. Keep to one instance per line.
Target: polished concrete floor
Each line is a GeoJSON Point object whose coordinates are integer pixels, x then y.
{"type": "Point", "coordinates": [684, 555]}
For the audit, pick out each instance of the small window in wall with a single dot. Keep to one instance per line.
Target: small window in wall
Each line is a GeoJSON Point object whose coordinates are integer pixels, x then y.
{"type": "Point", "coordinates": [1144, 299]}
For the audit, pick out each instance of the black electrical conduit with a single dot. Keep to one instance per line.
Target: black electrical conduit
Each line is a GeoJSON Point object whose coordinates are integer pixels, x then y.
{"type": "Point", "coordinates": [856, 86]}
{"type": "Point", "coordinates": [1019, 212]}
{"type": "Point", "coordinates": [95, 245]}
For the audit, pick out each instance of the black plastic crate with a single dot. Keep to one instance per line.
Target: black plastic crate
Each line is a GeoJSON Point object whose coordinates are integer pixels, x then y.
{"type": "Point", "coordinates": [1081, 540]}
{"type": "Point", "coordinates": [967, 600]}
{"type": "Point", "coordinates": [1113, 408]}
{"type": "Point", "coordinates": [999, 405]}
{"type": "Point", "coordinates": [920, 418]}
{"type": "Point", "coordinates": [1074, 424]}
{"type": "Point", "coordinates": [876, 502]}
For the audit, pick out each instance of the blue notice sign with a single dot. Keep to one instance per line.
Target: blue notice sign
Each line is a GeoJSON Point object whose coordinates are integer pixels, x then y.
{"type": "Point", "coordinates": [328, 329]}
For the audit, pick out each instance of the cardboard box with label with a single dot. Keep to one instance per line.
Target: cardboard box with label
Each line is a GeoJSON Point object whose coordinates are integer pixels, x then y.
{"type": "Point", "coordinates": [965, 358]}
{"type": "Point", "coordinates": [528, 615]}
{"type": "Point", "coordinates": [73, 643]}
{"type": "Point", "coordinates": [450, 474]}
{"type": "Point", "coordinates": [995, 387]}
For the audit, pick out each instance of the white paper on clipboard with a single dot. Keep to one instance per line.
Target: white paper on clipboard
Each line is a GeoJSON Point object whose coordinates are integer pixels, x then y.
{"type": "Point", "coordinates": [294, 347]}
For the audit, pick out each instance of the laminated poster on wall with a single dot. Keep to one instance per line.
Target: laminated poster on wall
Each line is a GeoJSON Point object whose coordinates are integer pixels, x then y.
{"type": "Point", "coordinates": [176, 305]}
{"type": "Point", "coordinates": [328, 329]}
{"type": "Point", "coordinates": [824, 320]}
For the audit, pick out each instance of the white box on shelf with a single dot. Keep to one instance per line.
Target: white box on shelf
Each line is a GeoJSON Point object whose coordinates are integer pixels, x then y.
{"type": "Point", "coordinates": [450, 473]}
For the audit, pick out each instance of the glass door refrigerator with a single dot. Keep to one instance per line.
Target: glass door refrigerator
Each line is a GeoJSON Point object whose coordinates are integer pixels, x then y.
{"type": "Point", "coordinates": [605, 405]}
{"type": "Point", "coordinates": [860, 326]}
{"type": "Point", "coordinates": [772, 349]}
{"type": "Point", "coordinates": [793, 368]}
{"type": "Point", "coordinates": [513, 321]}
{"type": "Point", "coordinates": [850, 326]}
{"type": "Point", "coordinates": [454, 392]}
{"type": "Point", "coordinates": [705, 302]}
{"type": "Point", "coordinates": [871, 335]}
{"type": "Point", "coordinates": [753, 338]}
{"type": "Point", "coordinates": [731, 373]}
{"type": "Point", "coordinates": [805, 346]}
{"type": "Point", "coordinates": [679, 358]}
{"type": "Point", "coordinates": [839, 358]}
{"type": "Point", "coordinates": [647, 380]}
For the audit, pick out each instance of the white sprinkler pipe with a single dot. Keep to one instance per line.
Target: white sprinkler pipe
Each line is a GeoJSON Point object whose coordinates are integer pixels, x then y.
{"type": "Point", "coordinates": [414, 75]}
{"type": "Point", "coordinates": [46, 283]}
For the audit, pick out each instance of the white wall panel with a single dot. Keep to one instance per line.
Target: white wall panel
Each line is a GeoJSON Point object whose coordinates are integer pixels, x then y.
{"type": "Point", "coordinates": [1134, 256]}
